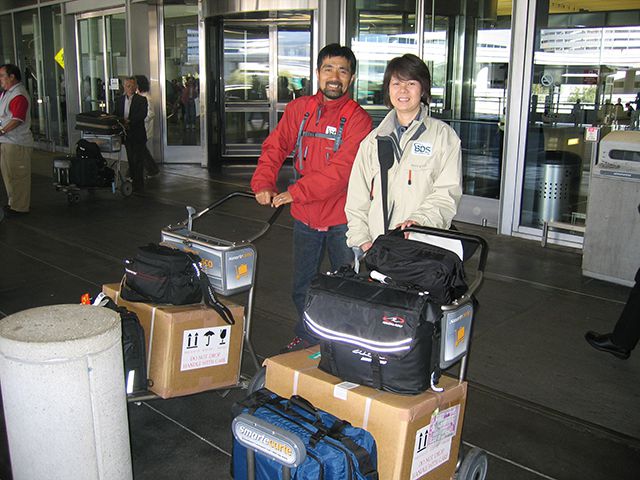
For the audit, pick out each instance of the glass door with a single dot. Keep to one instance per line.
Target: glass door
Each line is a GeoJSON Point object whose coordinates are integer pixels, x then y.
{"type": "Point", "coordinates": [102, 59]}
{"type": "Point", "coordinates": [266, 64]}
{"type": "Point", "coordinates": [91, 65]}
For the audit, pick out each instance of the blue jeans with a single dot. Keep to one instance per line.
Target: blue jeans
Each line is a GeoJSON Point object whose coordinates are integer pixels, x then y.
{"type": "Point", "coordinates": [308, 250]}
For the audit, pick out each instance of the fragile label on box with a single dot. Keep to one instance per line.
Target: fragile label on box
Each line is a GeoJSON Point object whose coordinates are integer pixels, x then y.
{"type": "Point", "coordinates": [433, 442]}
{"type": "Point", "coordinates": [205, 347]}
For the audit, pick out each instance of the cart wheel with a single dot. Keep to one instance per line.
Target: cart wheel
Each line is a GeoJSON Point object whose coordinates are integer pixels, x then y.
{"type": "Point", "coordinates": [258, 380]}
{"type": "Point", "coordinates": [73, 198]}
{"type": "Point", "coordinates": [126, 188]}
{"type": "Point", "coordinates": [76, 198]}
{"type": "Point", "coordinates": [474, 465]}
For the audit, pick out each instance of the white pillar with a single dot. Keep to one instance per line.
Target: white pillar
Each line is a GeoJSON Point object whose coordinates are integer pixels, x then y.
{"type": "Point", "coordinates": [63, 392]}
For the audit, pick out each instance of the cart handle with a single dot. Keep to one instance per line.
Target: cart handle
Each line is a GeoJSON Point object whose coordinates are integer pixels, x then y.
{"type": "Point", "coordinates": [239, 193]}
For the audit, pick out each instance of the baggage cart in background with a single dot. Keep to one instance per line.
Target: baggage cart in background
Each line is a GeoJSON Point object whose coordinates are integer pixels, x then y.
{"type": "Point", "coordinates": [109, 175]}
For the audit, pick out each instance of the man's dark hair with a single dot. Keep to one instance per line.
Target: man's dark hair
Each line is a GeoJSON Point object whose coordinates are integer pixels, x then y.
{"type": "Point", "coordinates": [335, 50]}
{"type": "Point", "coordinates": [143, 83]}
{"type": "Point", "coordinates": [12, 69]}
{"type": "Point", "coordinates": [407, 67]}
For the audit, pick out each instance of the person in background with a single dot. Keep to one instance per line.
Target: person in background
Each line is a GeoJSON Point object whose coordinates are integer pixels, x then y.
{"type": "Point", "coordinates": [312, 125]}
{"type": "Point", "coordinates": [132, 108]}
{"type": "Point", "coordinates": [150, 166]}
{"type": "Point", "coordinates": [626, 333]}
{"type": "Point", "coordinates": [424, 176]}
{"type": "Point", "coordinates": [188, 98]}
{"type": "Point", "coordinates": [16, 141]}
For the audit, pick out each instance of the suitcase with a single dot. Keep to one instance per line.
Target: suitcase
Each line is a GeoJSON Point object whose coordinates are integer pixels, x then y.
{"type": "Point", "coordinates": [278, 438]}
{"type": "Point", "coordinates": [98, 122]}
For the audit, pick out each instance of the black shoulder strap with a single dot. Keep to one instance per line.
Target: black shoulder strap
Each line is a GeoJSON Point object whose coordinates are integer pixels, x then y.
{"type": "Point", "coordinates": [386, 159]}
{"type": "Point", "coordinates": [208, 294]}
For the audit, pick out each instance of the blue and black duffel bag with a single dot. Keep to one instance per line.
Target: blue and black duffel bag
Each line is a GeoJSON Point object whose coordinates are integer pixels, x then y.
{"type": "Point", "coordinates": [277, 438]}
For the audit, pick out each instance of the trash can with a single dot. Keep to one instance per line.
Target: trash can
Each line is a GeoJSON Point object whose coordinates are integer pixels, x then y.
{"type": "Point", "coordinates": [63, 393]}
{"type": "Point", "coordinates": [557, 186]}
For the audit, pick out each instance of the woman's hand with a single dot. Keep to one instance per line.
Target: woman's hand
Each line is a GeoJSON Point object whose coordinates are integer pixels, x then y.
{"type": "Point", "coordinates": [405, 224]}
{"type": "Point", "coordinates": [365, 246]}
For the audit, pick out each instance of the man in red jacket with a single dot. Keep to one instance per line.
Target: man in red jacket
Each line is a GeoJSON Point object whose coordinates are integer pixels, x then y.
{"type": "Point", "coordinates": [324, 132]}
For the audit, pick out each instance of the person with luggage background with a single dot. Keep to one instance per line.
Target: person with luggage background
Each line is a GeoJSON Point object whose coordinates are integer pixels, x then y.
{"type": "Point", "coordinates": [133, 109]}
{"type": "Point", "coordinates": [16, 141]}
{"type": "Point", "coordinates": [411, 160]}
{"type": "Point", "coordinates": [325, 131]}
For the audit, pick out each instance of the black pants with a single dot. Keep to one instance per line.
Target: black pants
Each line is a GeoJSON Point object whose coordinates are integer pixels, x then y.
{"type": "Point", "coordinates": [149, 163]}
{"type": "Point", "coordinates": [627, 330]}
{"type": "Point", "coordinates": [135, 156]}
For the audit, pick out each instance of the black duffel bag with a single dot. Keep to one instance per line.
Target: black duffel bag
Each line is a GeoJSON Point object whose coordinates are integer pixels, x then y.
{"type": "Point", "coordinates": [373, 334]}
{"type": "Point", "coordinates": [417, 265]}
{"type": "Point", "coordinates": [160, 274]}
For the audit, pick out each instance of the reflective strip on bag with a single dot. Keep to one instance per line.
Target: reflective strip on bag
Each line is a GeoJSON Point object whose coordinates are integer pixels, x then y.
{"type": "Point", "coordinates": [372, 345]}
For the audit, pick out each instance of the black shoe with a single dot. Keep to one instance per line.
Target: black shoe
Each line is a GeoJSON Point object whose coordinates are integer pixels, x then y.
{"type": "Point", "coordinates": [10, 212]}
{"type": "Point", "coordinates": [298, 343]}
{"type": "Point", "coordinates": [603, 343]}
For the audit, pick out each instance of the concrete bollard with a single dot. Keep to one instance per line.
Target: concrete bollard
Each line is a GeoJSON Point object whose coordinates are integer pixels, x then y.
{"type": "Point", "coordinates": [63, 392]}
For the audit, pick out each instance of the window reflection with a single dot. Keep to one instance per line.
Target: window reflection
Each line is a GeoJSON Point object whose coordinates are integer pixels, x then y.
{"type": "Point", "coordinates": [182, 74]}
{"type": "Point", "coordinates": [586, 73]}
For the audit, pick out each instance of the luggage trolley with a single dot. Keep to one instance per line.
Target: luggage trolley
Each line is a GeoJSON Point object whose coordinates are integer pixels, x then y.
{"type": "Point", "coordinates": [107, 143]}
{"type": "Point", "coordinates": [455, 334]}
{"type": "Point", "coordinates": [229, 265]}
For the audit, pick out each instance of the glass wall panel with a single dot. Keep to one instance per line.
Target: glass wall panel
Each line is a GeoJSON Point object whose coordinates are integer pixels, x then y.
{"type": "Point", "coordinates": [6, 39]}
{"type": "Point", "coordinates": [382, 31]}
{"type": "Point", "coordinates": [477, 96]}
{"type": "Point", "coordinates": [54, 83]}
{"type": "Point", "coordinates": [117, 61]}
{"type": "Point", "coordinates": [294, 51]}
{"type": "Point", "coordinates": [91, 64]}
{"type": "Point", "coordinates": [30, 63]}
{"type": "Point", "coordinates": [586, 72]}
{"type": "Point", "coordinates": [182, 74]}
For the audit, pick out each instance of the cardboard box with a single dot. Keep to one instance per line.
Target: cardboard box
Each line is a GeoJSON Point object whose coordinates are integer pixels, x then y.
{"type": "Point", "coordinates": [190, 348]}
{"type": "Point", "coordinates": [417, 436]}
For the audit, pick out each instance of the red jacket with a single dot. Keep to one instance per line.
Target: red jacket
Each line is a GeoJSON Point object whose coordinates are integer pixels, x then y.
{"type": "Point", "coordinates": [320, 194]}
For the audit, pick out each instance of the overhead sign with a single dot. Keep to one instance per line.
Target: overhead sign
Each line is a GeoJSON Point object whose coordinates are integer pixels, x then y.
{"type": "Point", "coordinates": [59, 58]}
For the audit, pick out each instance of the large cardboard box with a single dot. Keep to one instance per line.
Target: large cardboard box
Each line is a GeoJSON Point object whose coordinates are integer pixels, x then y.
{"type": "Point", "coordinates": [190, 348]}
{"type": "Point", "coordinates": [417, 436]}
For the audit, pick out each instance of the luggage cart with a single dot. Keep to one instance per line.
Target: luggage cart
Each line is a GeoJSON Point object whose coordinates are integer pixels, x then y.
{"type": "Point", "coordinates": [111, 143]}
{"type": "Point", "coordinates": [229, 265]}
{"type": "Point", "coordinates": [456, 317]}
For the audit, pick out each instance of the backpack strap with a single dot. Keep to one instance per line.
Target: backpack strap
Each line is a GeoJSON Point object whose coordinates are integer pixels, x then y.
{"type": "Point", "coordinates": [386, 159]}
{"type": "Point", "coordinates": [346, 112]}
{"type": "Point", "coordinates": [363, 457]}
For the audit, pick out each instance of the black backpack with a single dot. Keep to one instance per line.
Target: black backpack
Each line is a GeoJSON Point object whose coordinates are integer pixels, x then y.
{"type": "Point", "coordinates": [89, 168]}
{"type": "Point", "coordinates": [133, 347]}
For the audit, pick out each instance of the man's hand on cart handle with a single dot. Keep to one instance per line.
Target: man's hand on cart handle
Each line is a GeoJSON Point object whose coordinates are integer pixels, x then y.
{"type": "Point", "coordinates": [263, 197]}
{"type": "Point", "coordinates": [281, 199]}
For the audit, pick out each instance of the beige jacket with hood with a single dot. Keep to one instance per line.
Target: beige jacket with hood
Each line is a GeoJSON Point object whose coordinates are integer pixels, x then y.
{"type": "Point", "coordinates": [424, 182]}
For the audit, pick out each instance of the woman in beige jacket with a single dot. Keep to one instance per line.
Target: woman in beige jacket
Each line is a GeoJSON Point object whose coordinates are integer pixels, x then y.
{"type": "Point", "coordinates": [424, 183]}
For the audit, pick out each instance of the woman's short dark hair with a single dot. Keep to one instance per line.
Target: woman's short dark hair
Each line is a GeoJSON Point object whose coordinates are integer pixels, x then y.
{"type": "Point", "coordinates": [335, 50]}
{"type": "Point", "coordinates": [407, 67]}
{"type": "Point", "coordinates": [143, 83]}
